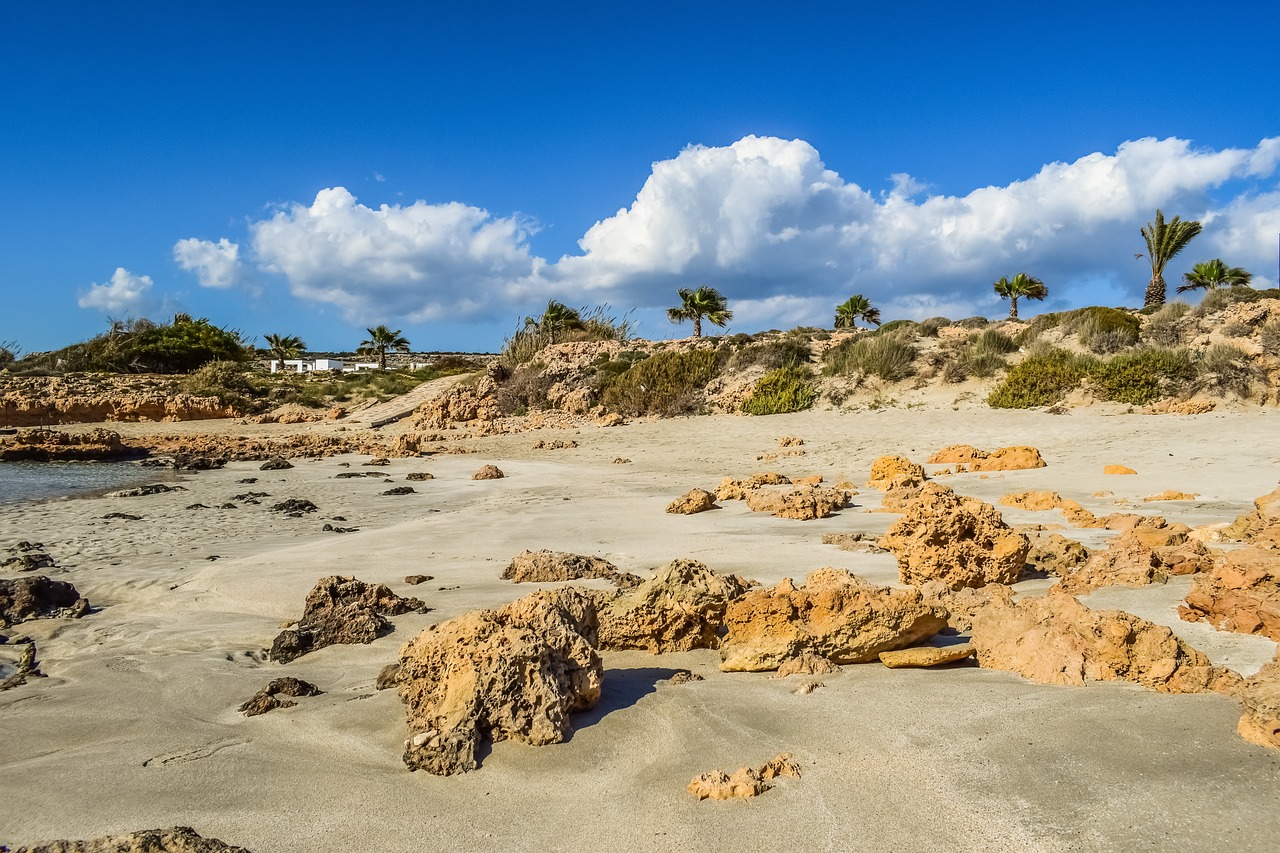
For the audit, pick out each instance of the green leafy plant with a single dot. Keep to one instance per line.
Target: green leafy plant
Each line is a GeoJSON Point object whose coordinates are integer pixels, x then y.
{"type": "Point", "coordinates": [889, 357]}
{"type": "Point", "coordinates": [696, 305]}
{"type": "Point", "coordinates": [787, 389]}
{"type": "Point", "coordinates": [1143, 376]}
{"type": "Point", "coordinates": [786, 352]}
{"type": "Point", "coordinates": [1164, 240]}
{"type": "Point", "coordinates": [667, 383]}
{"type": "Point", "coordinates": [856, 307]}
{"type": "Point", "coordinates": [1041, 379]}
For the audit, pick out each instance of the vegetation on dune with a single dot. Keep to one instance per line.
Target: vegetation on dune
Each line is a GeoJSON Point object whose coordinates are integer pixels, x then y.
{"type": "Point", "coordinates": [890, 357]}
{"type": "Point", "coordinates": [665, 384]}
{"type": "Point", "coordinates": [929, 328]}
{"type": "Point", "coordinates": [908, 329]}
{"type": "Point", "coordinates": [8, 353]}
{"type": "Point", "coordinates": [696, 305]}
{"type": "Point", "coordinates": [789, 351]}
{"type": "Point", "coordinates": [556, 319]}
{"type": "Point", "coordinates": [984, 354]}
{"type": "Point", "coordinates": [1163, 329]}
{"type": "Point", "coordinates": [558, 325]}
{"type": "Point", "coordinates": [853, 309]}
{"type": "Point", "coordinates": [1210, 275]}
{"type": "Point", "coordinates": [1021, 286]}
{"type": "Point", "coordinates": [786, 389]}
{"type": "Point", "coordinates": [1141, 377]}
{"type": "Point", "coordinates": [1041, 379]}
{"type": "Point", "coordinates": [1164, 241]}
{"type": "Point", "coordinates": [380, 341]}
{"type": "Point", "coordinates": [1224, 297]}
{"type": "Point", "coordinates": [143, 346]}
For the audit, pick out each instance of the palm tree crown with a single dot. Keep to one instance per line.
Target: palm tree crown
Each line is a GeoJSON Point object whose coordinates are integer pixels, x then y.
{"type": "Point", "coordinates": [856, 307]}
{"type": "Point", "coordinates": [704, 302]}
{"type": "Point", "coordinates": [1164, 241]}
{"type": "Point", "coordinates": [1021, 286]}
{"type": "Point", "coordinates": [380, 340]}
{"type": "Point", "coordinates": [556, 318]}
{"type": "Point", "coordinates": [1210, 275]}
{"type": "Point", "coordinates": [285, 346]}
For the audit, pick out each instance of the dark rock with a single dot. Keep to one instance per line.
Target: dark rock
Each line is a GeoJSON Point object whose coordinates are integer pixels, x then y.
{"type": "Point", "coordinates": [414, 580]}
{"type": "Point", "coordinates": [294, 507]}
{"type": "Point", "coordinates": [399, 490]}
{"type": "Point", "coordinates": [250, 496]}
{"type": "Point", "coordinates": [142, 491]}
{"type": "Point", "coordinates": [339, 518]}
{"type": "Point", "coordinates": [266, 700]}
{"type": "Point", "coordinates": [28, 667]}
{"type": "Point", "coordinates": [227, 506]}
{"type": "Point", "coordinates": [417, 476]}
{"type": "Point", "coordinates": [350, 475]}
{"type": "Point", "coordinates": [329, 528]}
{"type": "Point", "coordinates": [196, 506]}
{"type": "Point", "coordinates": [379, 461]}
{"type": "Point", "coordinates": [247, 481]}
{"type": "Point", "coordinates": [31, 598]}
{"type": "Point", "coordinates": [341, 610]}
{"type": "Point", "coordinates": [275, 465]}
{"type": "Point", "coordinates": [388, 676]}
{"type": "Point", "coordinates": [123, 516]}
{"type": "Point", "coordinates": [178, 839]}
{"type": "Point", "coordinates": [29, 561]}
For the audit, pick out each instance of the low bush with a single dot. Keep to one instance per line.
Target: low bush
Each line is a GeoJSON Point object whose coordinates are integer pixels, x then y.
{"type": "Point", "coordinates": [1164, 329]}
{"type": "Point", "coordinates": [974, 322]}
{"type": "Point", "coordinates": [1225, 368]}
{"type": "Point", "coordinates": [1223, 297]}
{"type": "Point", "coordinates": [1143, 376]}
{"type": "Point", "coordinates": [771, 355]}
{"type": "Point", "coordinates": [787, 389]}
{"type": "Point", "coordinates": [228, 381]}
{"type": "Point", "coordinates": [1237, 330]}
{"type": "Point", "coordinates": [888, 357]}
{"type": "Point", "coordinates": [899, 327]}
{"type": "Point", "coordinates": [1269, 337]}
{"type": "Point", "coordinates": [1102, 330]}
{"type": "Point", "coordinates": [1041, 379]}
{"type": "Point", "coordinates": [667, 383]}
{"type": "Point", "coordinates": [983, 354]}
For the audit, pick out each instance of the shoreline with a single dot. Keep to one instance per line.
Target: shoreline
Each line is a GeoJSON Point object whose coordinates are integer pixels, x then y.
{"type": "Point", "coordinates": [136, 725]}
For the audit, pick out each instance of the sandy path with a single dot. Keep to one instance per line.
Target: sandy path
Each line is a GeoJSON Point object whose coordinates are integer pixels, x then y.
{"type": "Point", "coordinates": [136, 727]}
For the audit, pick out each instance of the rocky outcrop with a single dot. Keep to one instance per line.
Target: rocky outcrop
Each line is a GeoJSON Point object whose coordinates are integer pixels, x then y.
{"type": "Point", "coordinates": [1170, 495]}
{"type": "Point", "coordinates": [51, 445]}
{"type": "Point", "coordinates": [692, 502]}
{"type": "Point", "coordinates": [802, 503]}
{"type": "Point", "coordinates": [1174, 406]}
{"type": "Point", "coordinates": [341, 610]}
{"type": "Point", "coordinates": [806, 663]}
{"type": "Point", "coordinates": [682, 607]}
{"type": "Point", "coordinates": [887, 469]}
{"type": "Point", "coordinates": [1260, 696]}
{"type": "Point", "coordinates": [863, 543]}
{"type": "Point", "coordinates": [38, 597]}
{"type": "Point", "coordinates": [178, 839]}
{"type": "Point", "coordinates": [737, 490]}
{"type": "Point", "coordinates": [925, 656]}
{"type": "Point", "coordinates": [1057, 640]}
{"type": "Point", "coordinates": [834, 614]}
{"type": "Point", "coordinates": [511, 674]}
{"type": "Point", "coordinates": [27, 557]}
{"type": "Point", "coordinates": [900, 494]}
{"type": "Point", "coordinates": [268, 699]}
{"type": "Point", "coordinates": [461, 404]}
{"type": "Point", "coordinates": [27, 667]}
{"type": "Point", "coordinates": [1140, 557]}
{"type": "Point", "coordinates": [551, 566]}
{"type": "Point", "coordinates": [973, 460]}
{"type": "Point", "coordinates": [38, 400]}
{"type": "Point", "coordinates": [745, 782]}
{"type": "Point", "coordinates": [1241, 594]}
{"type": "Point", "coordinates": [1056, 555]}
{"type": "Point", "coordinates": [958, 540]}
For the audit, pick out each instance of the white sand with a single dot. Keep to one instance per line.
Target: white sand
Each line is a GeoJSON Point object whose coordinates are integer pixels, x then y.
{"type": "Point", "coordinates": [136, 726]}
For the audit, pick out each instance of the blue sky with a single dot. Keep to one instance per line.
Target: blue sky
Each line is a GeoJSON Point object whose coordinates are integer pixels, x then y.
{"type": "Point", "coordinates": [749, 146]}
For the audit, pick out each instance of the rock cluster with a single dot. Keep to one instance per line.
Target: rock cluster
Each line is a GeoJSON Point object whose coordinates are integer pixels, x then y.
{"type": "Point", "coordinates": [1057, 640]}
{"type": "Point", "coordinates": [28, 667]}
{"type": "Point", "coordinates": [1141, 556]}
{"type": "Point", "coordinates": [744, 782]}
{"type": "Point", "coordinates": [178, 839]}
{"type": "Point", "coordinates": [516, 673]}
{"type": "Point", "coordinates": [551, 566]}
{"type": "Point", "coordinates": [27, 557]}
{"type": "Point", "coordinates": [1056, 555]}
{"type": "Point", "coordinates": [341, 610]}
{"type": "Point", "coordinates": [267, 699]}
{"type": "Point", "coordinates": [682, 607]}
{"type": "Point", "coordinates": [961, 541]}
{"type": "Point", "coordinates": [51, 445]}
{"type": "Point", "coordinates": [968, 458]}
{"type": "Point", "coordinates": [1262, 526]}
{"type": "Point", "coordinates": [1241, 593]}
{"type": "Point", "coordinates": [834, 614]}
{"type": "Point", "coordinates": [37, 597]}
{"type": "Point", "coordinates": [691, 502]}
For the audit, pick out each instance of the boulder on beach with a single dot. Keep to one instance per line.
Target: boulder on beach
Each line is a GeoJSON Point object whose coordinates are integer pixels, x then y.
{"type": "Point", "coordinates": [887, 469]}
{"type": "Point", "coordinates": [178, 839]}
{"type": "Point", "coordinates": [1241, 594]}
{"type": "Point", "coordinates": [51, 445]}
{"type": "Point", "coordinates": [961, 541]}
{"type": "Point", "coordinates": [488, 472]}
{"type": "Point", "coordinates": [691, 502]}
{"type": "Point", "coordinates": [516, 673]}
{"type": "Point", "coordinates": [834, 614]}
{"type": "Point", "coordinates": [731, 489]}
{"type": "Point", "coordinates": [341, 610]}
{"type": "Point", "coordinates": [268, 698]}
{"type": "Point", "coordinates": [277, 464]}
{"type": "Point", "coordinates": [680, 608]}
{"type": "Point", "coordinates": [1057, 640]}
{"type": "Point", "coordinates": [38, 597]}
{"type": "Point", "coordinates": [1056, 555]}
{"type": "Point", "coordinates": [1118, 469]}
{"type": "Point", "coordinates": [926, 656]}
{"type": "Point", "coordinates": [745, 782]}
{"type": "Point", "coordinates": [1260, 698]}
{"type": "Point", "coordinates": [969, 458]}
{"type": "Point", "coordinates": [546, 566]}
{"type": "Point", "coordinates": [802, 503]}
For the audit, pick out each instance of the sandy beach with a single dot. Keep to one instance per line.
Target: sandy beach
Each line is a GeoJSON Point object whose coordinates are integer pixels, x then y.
{"type": "Point", "coordinates": [136, 725]}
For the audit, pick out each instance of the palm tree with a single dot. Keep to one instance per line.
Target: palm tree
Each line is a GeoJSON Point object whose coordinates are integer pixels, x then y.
{"type": "Point", "coordinates": [1164, 241]}
{"type": "Point", "coordinates": [380, 340]}
{"type": "Point", "coordinates": [556, 318]}
{"type": "Point", "coordinates": [856, 307]}
{"type": "Point", "coordinates": [284, 347]}
{"type": "Point", "coordinates": [696, 304]}
{"type": "Point", "coordinates": [1210, 275]}
{"type": "Point", "coordinates": [1021, 286]}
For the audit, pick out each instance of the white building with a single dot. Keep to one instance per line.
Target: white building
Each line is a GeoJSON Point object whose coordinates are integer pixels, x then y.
{"type": "Point", "coordinates": [308, 365]}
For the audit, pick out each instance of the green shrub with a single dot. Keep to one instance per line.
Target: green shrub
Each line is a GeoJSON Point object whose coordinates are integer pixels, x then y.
{"type": "Point", "coordinates": [888, 357]}
{"type": "Point", "coordinates": [1038, 327]}
{"type": "Point", "coordinates": [974, 322]}
{"type": "Point", "coordinates": [595, 324]}
{"type": "Point", "coordinates": [1223, 297]}
{"type": "Point", "coordinates": [787, 352]}
{"type": "Point", "coordinates": [1227, 368]}
{"type": "Point", "coordinates": [1269, 337]}
{"type": "Point", "coordinates": [900, 327]}
{"type": "Point", "coordinates": [929, 328]}
{"type": "Point", "coordinates": [1041, 379]}
{"type": "Point", "coordinates": [983, 354]}
{"type": "Point", "coordinates": [1237, 330]}
{"type": "Point", "coordinates": [228, 381]}
{"type": "Point", "coordinates": [1143, 376]}
{"type": "Point", "coordinates": [1163, 329]}
{"type": "Point", "coordinates": [143, 346]}
{"type": "Point", "coordinates": [1102, 329]}
{"type": "Point", "coordinates": [667, 383]}
{"type": "Point", "coordinates": [787, 389]}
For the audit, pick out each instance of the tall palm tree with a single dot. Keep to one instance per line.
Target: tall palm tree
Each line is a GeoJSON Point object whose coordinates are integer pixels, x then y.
{"type": "Point", "coordinates": [557, 318]}
{"type": "Point", "coordinates": [1021, 286]}
{"type": "Point", "coordinates": [380, 340]}
{"type": "Point", "coordinates": [704, 302]}
{"type": "Point", "coordinates": [1210, 275]}
{"type": "Point", "coordinates": [284, 347]}
{"type": "Point", "coordinates": [1164, 241]}
{"type": "Point", "coordinates": [856, 307]}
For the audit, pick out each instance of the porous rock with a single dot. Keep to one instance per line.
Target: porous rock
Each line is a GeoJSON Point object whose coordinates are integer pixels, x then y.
{"type": "Point", "coordinates": [267, 698]}
{"type": "Point", "coordinates": [745, 782]}
{"type": "Point", "coordinates": [1241, 593]}
{"type": "Point", "coordinates": [886, 469]}
{"type": "Point", "coordinates": [1118, 469]}
{"type": "Point", "coordinates": [691, 502]}
{"type": "Point", "coordinates": [1139, 557]}
{"type": "Point", "coordinates": [731, 489]}
{"type": "Point", "coordinates": [1056, 555]}
{"type": "Point", "coordinates": [834, 614]}
{"type": "Point", "coordinates": [341, 610]}
{"type": "Point", "coordinates": [178, 839]}
{"type": "Point", "coordinates": [961, 541]}
{"type": "Point", "coordinates": [1036, 501]}
{"type": "Point", "coordinates": [803, 503]}
{"type": "Point", "coordinates": [50, 445]}
{"type": "Point", "coordinates": [967, 457]}
{"type": "Point", "coordinates": [1057, 640]}
{"type": "Point", "coordinates": [511, 674]}
{"type": "Point", "coordinates": [36, 597]}
{"type": "Point", "coordinates": [1260, 697]}
{"type": "Point", "coordinates": [924, 656]}
{"type": "Point", "coordinates": [488, 472]}
{"type": "Point", "coordinates": [551, 566]}
{"type": "Point", "coordinates": [277, 464]}
{"type": "Point", "coordinates": [961, 605]}
{"type": "Point", "coordinates": [682, 607]}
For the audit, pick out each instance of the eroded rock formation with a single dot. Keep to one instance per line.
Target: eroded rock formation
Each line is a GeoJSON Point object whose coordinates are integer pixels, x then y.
{"type": "Point", "coordinates": [341, 610]}
{"type": "Point", "coordinates": [1138, 557]}
{"type": "Point", "coordinates": [691, 502]}
{"type": "Point", "coordinates": [888, 469]}
{"type": "Point", "coordinates": [1241, 593]}
{"type": "Point", "coordinates": [1260, 696]}
{"type": "Point", "coordinates": [968, 458]}
{"type": "Point", "coordinates": [268, 699]}
{"type": "Point", "coordinates": [744, 782]}
{"type": "Point", "coordinates": [36, 597]}
{"type": "Point", "coordinates": [680, 608]}
{"type": "Point", "coordinates": [551, 566]}
{"type": "Point", "coordinates": [51, 445]}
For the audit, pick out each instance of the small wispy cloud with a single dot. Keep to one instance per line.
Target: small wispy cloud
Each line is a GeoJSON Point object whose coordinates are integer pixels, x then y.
{"type": "Point", "coordinates": [125, 294]}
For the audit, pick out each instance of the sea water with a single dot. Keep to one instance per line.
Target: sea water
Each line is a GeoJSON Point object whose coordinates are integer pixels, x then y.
{"type": "Point", "coordinates": [34, 481]}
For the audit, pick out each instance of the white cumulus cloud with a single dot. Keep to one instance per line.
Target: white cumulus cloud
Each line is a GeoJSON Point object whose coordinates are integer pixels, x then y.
{"type": "Point", "coordinates": [215, 264]}
{"type": "Point", "coordinates": [124, 294]}
{"type": "Point", "coordinates": [419, 261]}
